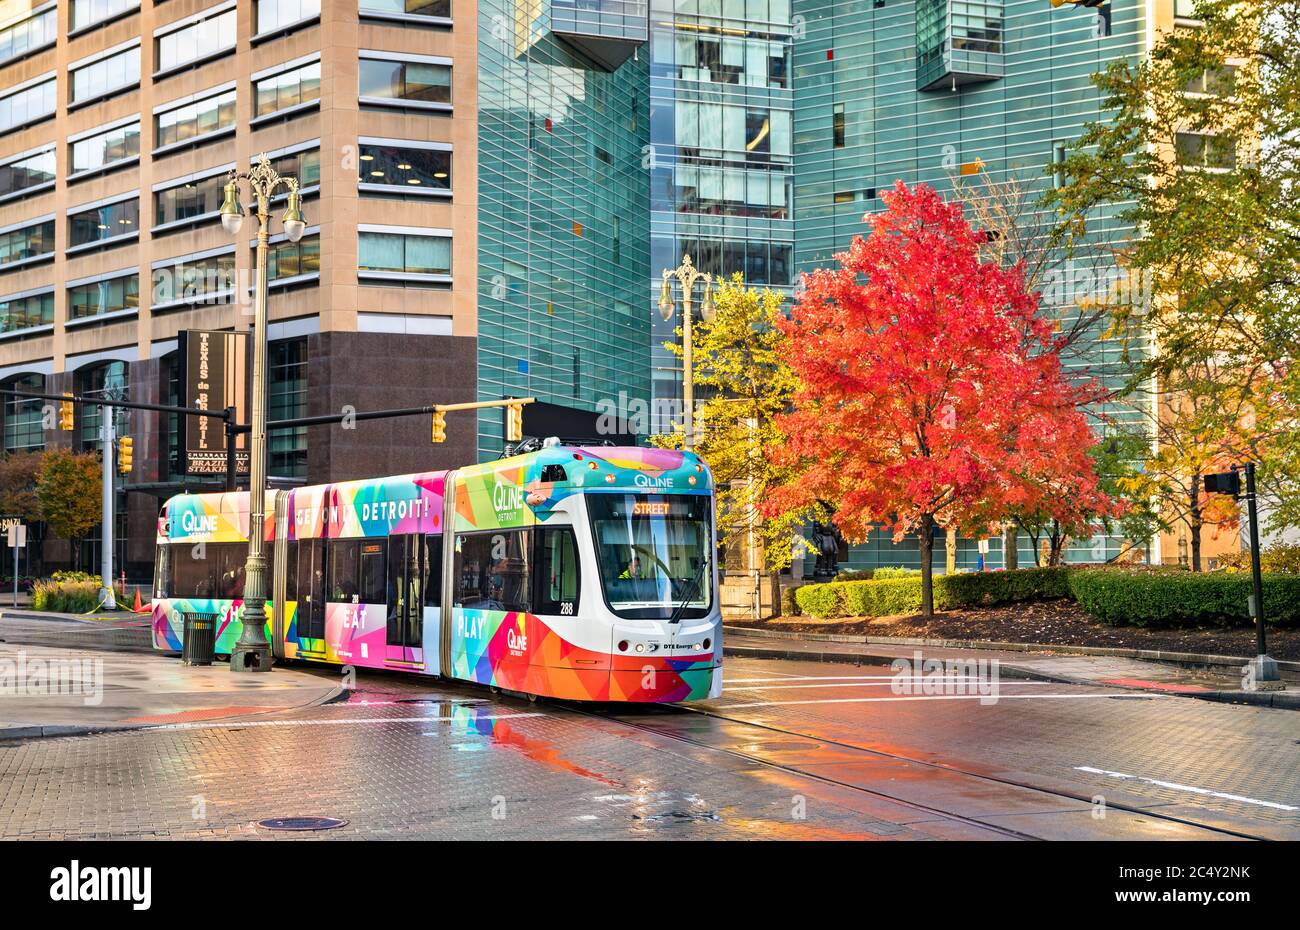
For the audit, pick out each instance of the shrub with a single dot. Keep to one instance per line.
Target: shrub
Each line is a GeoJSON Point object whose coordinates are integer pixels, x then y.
{"type": "Point", "coordinates": [66, 592]}
{"type": "Point", "coordinates": [897, 572]}
{"type": "Point", "coordinates": [822, 600]}
{"type": "Point", "coordinates": [882, 598]}
{"type": "Point", "coordinates": [1280, 559]}
{"type": "Point", "coordinates": [1121, 598]}
{"type": "Point", "coordinates": [864, 574]}
{"type": "Point", "coordinates": [988, 589]}
{"type": "Point", "coordinates": [789, 603]}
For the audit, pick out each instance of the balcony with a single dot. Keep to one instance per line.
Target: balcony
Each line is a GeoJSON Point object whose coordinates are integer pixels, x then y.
{"type": "Point", "coordinates": [958, 42]}
{"type": "Point", "coordinates": [607, 32]}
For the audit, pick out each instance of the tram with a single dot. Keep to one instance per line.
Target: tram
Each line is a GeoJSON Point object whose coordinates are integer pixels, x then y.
{"type": "Point", "coordinates": [575, 572]}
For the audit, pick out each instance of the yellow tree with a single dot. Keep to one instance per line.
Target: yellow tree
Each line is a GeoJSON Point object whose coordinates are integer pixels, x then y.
{"type": "Point", "coordinates": [744, 383]}
{"type": "Point", "coordinates": [68, 490]}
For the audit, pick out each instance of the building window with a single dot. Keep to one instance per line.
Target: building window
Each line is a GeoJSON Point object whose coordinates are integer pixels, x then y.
{"type": "Point", "coordinates": [24, 428]}
{"type": "Point", "coordinates": [106, 75]}
{"type": "Point", "coordinates": [838, 126]}
{"type": "Point", "coordinates": [287, 259]}
{"type": "Point", "coordinates": [287, 399]}
{"type": "Point", "coordinates": [193, 121]}
{"type": "Point", "coordinates": [1201, 150]}
{"type": "Point", "coordinates": [100, 224]}
{"type": "Point", "coordinates": [303, 165]}
{"type": "Point", "coordinates": [1219, 82]}
{"type": "Point", "coordinates": [197, 198]}
{"type": "Point", "coordinates": [730, 191]}
{"type": "Point", "coordinates": [108, 295]}
{"type": "Point", "coordinates": [273, 15]}
{"type": "Point", "coordinates": [39, 30]}
{"type": "Point", "coordinates": [411, 254]}
{"type": "Point", "coordinates": [1185, 9]}
{"type": "Point", "coordinates": [1058, 159]}
{"type": "Point", "coordinates": [27, 242]}
{"type": "Point", "coordinates": [23, 174]}
{"type": "Point", "coordinates": [402, 9]}
{"type": "Point", "coordinates": [25, 311]}
{"type": "Point", "coordinates": [105, 379]}
{"type": "Point", "coordinates": [405, 167]}
{"type": "Point", "coordinates": [103, 149]}
{"type": "Point", "coordinates": [199, 279]}
{"type": "Point", "coordinates": [88, 12]}
{"type": "Point", "coordinates": [27, 104]}
{"type": "Point", "coordinates": [288, 89]}
{"type": "Point", "coordinates": [203, 38]}
{"type": "Point", "coordinates": [385, 79]}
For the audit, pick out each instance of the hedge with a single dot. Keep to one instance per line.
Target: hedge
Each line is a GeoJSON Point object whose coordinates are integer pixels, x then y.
{"type": "Point", "coordinates": [901, 595]}
{"type": "Point", "coordinates": [70, 592]}
{"type": "Point", "coordinates": [1122, 598]}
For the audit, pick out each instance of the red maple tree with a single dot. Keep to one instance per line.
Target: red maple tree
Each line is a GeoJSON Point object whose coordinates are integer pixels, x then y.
{"type": "Point", "coordinates": [932, 392]}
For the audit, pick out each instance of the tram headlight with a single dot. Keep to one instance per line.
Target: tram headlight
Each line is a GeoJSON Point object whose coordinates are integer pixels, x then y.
{"type": "Point", "coordinates": [640, 647]}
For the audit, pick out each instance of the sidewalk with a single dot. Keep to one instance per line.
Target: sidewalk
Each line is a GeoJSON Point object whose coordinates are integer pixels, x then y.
{"type": "Point", "coordinates": [61, 690]}
{"type": "Point", "coordinates": [1216, 678]}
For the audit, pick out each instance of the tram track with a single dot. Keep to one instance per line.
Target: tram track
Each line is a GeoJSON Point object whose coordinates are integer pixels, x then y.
{"type": "Point", "coordinates": [954, 770]}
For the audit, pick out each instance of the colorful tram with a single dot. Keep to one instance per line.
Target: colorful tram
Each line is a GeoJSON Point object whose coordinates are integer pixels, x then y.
{"type": "Point", "coordinates": [567, 572]}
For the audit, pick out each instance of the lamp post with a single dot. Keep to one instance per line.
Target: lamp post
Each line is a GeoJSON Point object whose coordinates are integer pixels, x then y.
{"type": "Point", "coordinates": [687, 274]}
{"type": "Point", "coordinates": [253, 653]}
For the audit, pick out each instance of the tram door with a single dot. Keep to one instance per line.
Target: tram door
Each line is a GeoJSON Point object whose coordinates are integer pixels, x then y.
{"type": "Point", "coordinates": [311, 595]}
{"type": "Point", "coordinates": [407, 572]}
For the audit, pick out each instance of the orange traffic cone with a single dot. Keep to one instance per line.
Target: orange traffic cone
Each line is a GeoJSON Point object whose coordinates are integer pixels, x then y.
{"type": "Point", "coordinates": [137, 607]}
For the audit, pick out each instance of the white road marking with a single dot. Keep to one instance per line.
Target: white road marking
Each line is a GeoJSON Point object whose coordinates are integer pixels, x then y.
{"type": "Point", "coordinates": [231, 724]}
{"type": "Point", "coordinates": [740, 681]}
{"type": "Point", "coordinates": [1192, 788]}
{"type": "Point", "coordinates": [940, 697]}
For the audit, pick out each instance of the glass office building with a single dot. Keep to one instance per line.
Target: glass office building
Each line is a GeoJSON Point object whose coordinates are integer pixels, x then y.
{"type": "Point", "coordinates": [721, 155]}
{"type": "Point", "coordinates": [949, 92]}
{"type": "Point", "coordinates": [563, 245]}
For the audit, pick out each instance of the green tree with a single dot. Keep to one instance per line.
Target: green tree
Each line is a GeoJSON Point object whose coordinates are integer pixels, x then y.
{"type": "Point", "coordinates": [68, 490]}
{"type": "Point", "coordinates": [1200, 151]}
{"type": "Point", "coordinates": [743, 378]}
{"type": "Point", "coordinates": [19, 474]}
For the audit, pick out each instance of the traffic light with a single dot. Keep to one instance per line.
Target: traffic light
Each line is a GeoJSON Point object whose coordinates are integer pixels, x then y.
{"type": "Point", "coordinates": [125, 446]}
{"type": "Point", "coordinates": [439, 426]}
{"type": "Point", "coordinates": [66, 415]}
{"type": "Point", "coordinates": [1228, 482]}
{"type": "Point", "coordinates": [1089, 3]}
{"type": "Point", "coordinates": [514, 423]}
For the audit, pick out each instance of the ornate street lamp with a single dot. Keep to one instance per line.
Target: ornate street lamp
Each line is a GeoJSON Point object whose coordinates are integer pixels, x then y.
{"type": "Point", "coordinates": [687, 274]}
{"type": "Point", "coordinates": [253, 653]}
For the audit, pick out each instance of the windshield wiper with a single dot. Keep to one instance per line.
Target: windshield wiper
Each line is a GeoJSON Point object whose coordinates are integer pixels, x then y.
{"type": "Point", "coordinates": [690, 593]}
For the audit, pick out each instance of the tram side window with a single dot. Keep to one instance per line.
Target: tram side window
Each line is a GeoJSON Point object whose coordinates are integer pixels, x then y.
{"type": "Point", "coordinates": [557, 572]}
{"type": "Point", "coordinates": [311, 572]}
{"type": "Point", "coordinates": [344, 584]}
{"type": "Point", "coordinates": [373, 574]}
{"type": "Point", "coordinates": [433, 570]}
{"type": "Point", "coordinates": [291, 571]}
{"type": "Point", "coordinates": [229, 560]}
{"type": "Point", "coordinates": [192, 570]}
{"type": "Point", "coordinates": [492, 570]}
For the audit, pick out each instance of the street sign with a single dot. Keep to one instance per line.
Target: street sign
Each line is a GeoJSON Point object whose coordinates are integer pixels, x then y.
{"type": "Point", "coordinates": [214, 376]}
{"type": "Point", "coordinates": [17, 535]}
{"type": "Point", "coordinates": [1228, 482]}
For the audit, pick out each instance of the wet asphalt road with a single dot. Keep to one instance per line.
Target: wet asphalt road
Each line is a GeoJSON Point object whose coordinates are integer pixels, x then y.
{"type": "Point", "coordinates": [793, 750]}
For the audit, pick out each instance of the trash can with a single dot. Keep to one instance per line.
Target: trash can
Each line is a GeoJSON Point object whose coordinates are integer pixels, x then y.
{"type": "Point", "coordinates": [200, 639]}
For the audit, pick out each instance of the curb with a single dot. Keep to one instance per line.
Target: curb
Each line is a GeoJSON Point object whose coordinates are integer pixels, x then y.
{"type": "Point", "coordinates": [1279, 700]}
{"type": "Point", "coordinates": [1288, 670]}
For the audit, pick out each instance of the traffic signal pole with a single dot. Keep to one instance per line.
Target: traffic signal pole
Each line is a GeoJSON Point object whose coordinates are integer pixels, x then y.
{"type": "Point", "coordinates": [106, 599]}
{"type": "Point", "coordinates": [1263, 667]}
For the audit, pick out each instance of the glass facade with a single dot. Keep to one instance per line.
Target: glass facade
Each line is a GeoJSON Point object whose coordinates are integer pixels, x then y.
{"type": "Point", "coordinates": [287, 259]}
{"type": "Point", "coordinates": [106, 296]}
{"type": "Point", "coordinates": [23, 427]}
{"type": "Point", "coordinates": [287, 399]}
{"type": "Point", "coordinates": [563, 252]}
{"type": "Point", "coordinates": [207, 279]}
{"type": "Point", "coordinates": [27, 242]}
{"type": "Point", "coordinates": [199, 39]}
{"type": "Point", "coordinates": [99, 224]}
{"type": "Point", "coordinates": [105, 148]}
{"type": "Point", "coordinates": [416, 83]}
{"type": "Point", "coordinates": [106, 75]}
{"type": "Point", "coordinates": [276, 14]}
{"type": "Point", "coordinates": [37, 31]}
{"type": "Point", "coordinates": [403, 255]}
{"type": "Point", "coordinates": [27, 172]}
{"type": "Point", "coordinates": [26, 310]}
{"type": "Point", "coordinates": [862, 123]}
{"type": "Point", "coordinates": [88, 12]}
{"type": "Point", "coordinates": [105, 379]}
{"type": "Point", "coordinates": [287, 89]}
{"type": "Point", "coordinates": [721, 156]}
{"type": "Point", "coordinates": [20, 107]}
{"type": "Point", "coordinates": [395, 168]}
{"type": "Point", "coordinates": [195, 120]}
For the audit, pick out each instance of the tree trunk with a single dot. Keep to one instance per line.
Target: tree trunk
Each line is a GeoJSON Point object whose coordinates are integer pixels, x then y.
{"type": "Point", "coordinates": [1010, 540]}
{"type": "Point", "coordinates": [1194, 524]}
{"type": "Point", "coordinates": [950, 550]}
{"type": "Point", "coordinates": [927, 565]}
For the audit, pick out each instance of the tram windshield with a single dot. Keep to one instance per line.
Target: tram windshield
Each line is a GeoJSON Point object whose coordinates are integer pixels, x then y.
{"type": "Point", "coordinates": [653, 552]}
